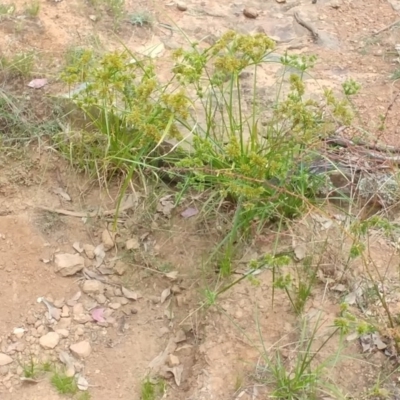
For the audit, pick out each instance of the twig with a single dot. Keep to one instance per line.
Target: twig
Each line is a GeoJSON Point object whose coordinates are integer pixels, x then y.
{"type": "Point", "coordinates": [306, 25]}
{"type": "Point", "coordinates": [386, 28]}
{"type": "Point", "coordinates": [87, 214]}
{"type": "Point", "coordinates": [390, 106]}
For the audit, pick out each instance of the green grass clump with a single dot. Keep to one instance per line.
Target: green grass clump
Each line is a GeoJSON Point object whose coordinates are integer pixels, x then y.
{"type": "Point", "coordinates": [256, 157]}
{"type": "Point", "coordinates": [64, 384]}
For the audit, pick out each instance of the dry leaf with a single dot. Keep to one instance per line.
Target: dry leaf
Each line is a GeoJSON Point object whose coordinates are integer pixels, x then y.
{"type": "Point", "coordinates": [68, 361]}
{"type": "Point", "coordinates": [106, 270]}
{"type": "Point", "coordinates": [339, 288]}
{"type": "Point", "coordinates": [100, 254]}
{"type": "Point", "coordinates": [173, 275]}
{"type": "Point", "coordinates": [189, 212]}
{"type": "Point", "coordinates": [352, 336]}
{"type": "Point", "coordinates": [132, 244]}
{"type": "Point", "coordinates": [158, 362]}
{"type": "Point", "coordinates": [78, 247]}
{"type": "Point", "coordinates": [82, 383]}
{"type": "Point", "coordinates": [300, 251]}
{"type": "Point", "coordinates": [153, 51]}
{"type": "Point", "coordinates": [165, 294]}
{"type": "Point", "coordinates": [177, 372]}
{"type": "Point", "coordinates": [169, 314]}
{"type": "Point", "coordinates": [61, 192]}
{"type": "Point", "coordinates": [28, 380]}
{"type": "Point", "coordinates": [166, 206]}
{"type": "Point", "coordinates": [129, 294]}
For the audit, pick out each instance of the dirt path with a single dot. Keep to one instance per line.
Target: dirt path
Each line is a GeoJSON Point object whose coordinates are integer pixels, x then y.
{"type": "Point", "coordinates": [213, 358]}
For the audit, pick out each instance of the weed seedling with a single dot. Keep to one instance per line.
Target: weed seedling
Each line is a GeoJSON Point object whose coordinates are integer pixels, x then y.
{"type": "Point", "coordinates": [142, 18]}
{"type": "Point", "coordinates": [64, 384]}
{"type": "Point", "coordinates": [152, 390]}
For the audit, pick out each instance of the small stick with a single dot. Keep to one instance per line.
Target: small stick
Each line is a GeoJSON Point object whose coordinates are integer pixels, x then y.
{"type": "Point", "coordinates": [386, 28]}
{"type": "Point", "coordinates": [306, 25]}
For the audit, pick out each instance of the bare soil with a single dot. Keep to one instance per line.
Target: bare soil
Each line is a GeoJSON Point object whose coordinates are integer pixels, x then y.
{"type": "Point", "coordinates": [221, 345]}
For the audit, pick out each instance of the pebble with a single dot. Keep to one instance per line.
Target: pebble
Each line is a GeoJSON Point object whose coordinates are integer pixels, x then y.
{"type": "Point", "coordinates": [120, 267]}
{"type": "Point", "coordinates": [64, 333]}
{"type": "Point", "coordinates": [4, 370]}
{"type": "Point", "coordinates": [50, 340]}
{"type": "Point", "coordinates": [181, 6]}
{"type": "Point", "coordinates": [249, 12]}
{"type": "Point", "coordinates": [114, 306]}
{"type": "Point", "coordinates": [63, 323]}
{"type": "Point", "coordinates": [31, 320]}
{"type": "Point", "coordinates": [59, 303]}
{"type": "Point", "coordinates": [101, 299]}
{"type": "Point", "coordinates": [79, 331]}
{"type": "Point", "coordinates": [107, 239]}
{"type": "Point", "coordinates": [173, 360]}
{"type": "Point", "coordinates": [175, 289]}
{"type": "Point", "coordinates": [132, 244]}
{"type": "Point", "coordinates": [20, 347]}
{"type": "Point", "coordinates": [81, 349]}
{"type": "Point", "coordinates": [92, 287]}
{"type": "Point", "coordinates": [5, 359]}
{"type": "Point", "coordinates": [89, 251]}
{"type": "Point", "coordinates": [121, 300]}
{"type": "Point", "coordinates": [41, 330]}
{"type": "Point", "coordinates": [65, 311]}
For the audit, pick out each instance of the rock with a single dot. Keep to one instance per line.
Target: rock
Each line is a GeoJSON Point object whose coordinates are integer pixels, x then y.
{"type": "Point", "coordinates": [77, 247]}
{"type": "Point", "coordinates": [31, 319]}
{"type": "Point", "coordinates": [173, 360]}
{"type": "Point", "coordinates": [122, 300]}
{"type": "Point", "coordinates": [63, 323]}
{"type": "Point", "coordinates": [65, 312]}
{"type": "Point", "coordinates": [78, 309]}
{"type": "Point", "coordinates": [129, 294]}
{"type": "Point", "coordinates": [101, 299]}
{"type": "Point", "coordinates": [19, 332]}
{"type": "Point", "coordinates": [250, 12]}
{"type": "Point", "coordinates": [118, 291]}
{"type": "Point", "coordinates": [132, 244]}
{"type": "Point", "coordinates": [64, 333]}
{"type": "Point", "coordinates": [93, 17]}
{"type": "Point", "coordinates": [5, 359]}
{"type": "Point", "coordinates": [114, 306]}
{"type": "Point", "coordinates": [108, 239]}
{"type": "Point", "coordinates": [79, 314]}
{"type": "Point", "coordinates": [81, 350]}
{"type": "Point", "coordinates": [20, 347]}
{"type": "Point", "coordinates": [120, 267]}
{"type": "Point", "coordinates": [79, 331]}
{"type": "Point", "coordinates": [4, 370]}
{"type": "Point", "coordinates": [280, 1]}
{"type": "Point", "coordinates": [89, 304]}
{"type": "Point", "coordinates": [175, 289]}
{"type": "Point", "coordinates": [69, 264]}
{"type": "Point", "coordinates": [41, 330]}
{"type": "Point", "coordinates": [74, 298]}
{"type": "Point", "coordinates": [92, 287]}
{"type": "Point", "coordinates": [89, 251]}
{"type": "Point", "coordinates": [181, 6]}
{"type": "Point", "coordinates": [49, 340]}
{"type": "Point", "coordinates": [59, 303]}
